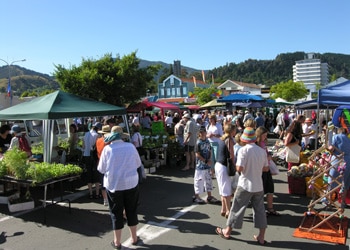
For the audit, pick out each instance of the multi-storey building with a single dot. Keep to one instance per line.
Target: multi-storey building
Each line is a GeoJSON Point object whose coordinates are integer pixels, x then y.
{"type": "Point", "coordinates": [310, 71]}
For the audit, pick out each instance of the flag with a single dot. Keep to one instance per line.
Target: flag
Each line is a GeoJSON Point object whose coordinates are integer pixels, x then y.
{"type": "Point", "coordinates": [194, 81]}
{"type": "Point", "coordinates": [217, 93]}
{"type": "Point", "coordinates": [203, 76]}
{"type": "Point", "coordinates": [9, 88]}
{"type": "Point", "coordinates": [191, 95]}
{"type": "Point", "coordinates": [212, 78]}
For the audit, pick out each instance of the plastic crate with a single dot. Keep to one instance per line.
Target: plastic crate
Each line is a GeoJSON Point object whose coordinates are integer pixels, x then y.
{"type": "Point", "coordinates": [297, 185]}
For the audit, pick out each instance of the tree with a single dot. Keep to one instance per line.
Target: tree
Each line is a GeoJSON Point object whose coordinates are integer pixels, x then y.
{"type": "Point", "coordinates": [289, 91]}
{"type": "Point", "coordinates": [112, 80]}
{"type": "Point", "coordinates": [205, 95]}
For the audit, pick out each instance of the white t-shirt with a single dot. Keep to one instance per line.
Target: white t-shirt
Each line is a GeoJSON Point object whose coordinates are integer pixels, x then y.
{"type": "Point", "coordinates": [89, 141]}
{"type": "Point", "coordinates": [306, 130]}
{"type": "Point", "coordinates": [252, 158]}
{"type": "Point", "coordinates": [136, 139]}
{"type": "Point", "coordinates": [216, 130]}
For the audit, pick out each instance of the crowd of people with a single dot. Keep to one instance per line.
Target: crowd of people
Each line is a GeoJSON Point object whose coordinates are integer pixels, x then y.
{"type": "Point", "coordinates": [211, 141]}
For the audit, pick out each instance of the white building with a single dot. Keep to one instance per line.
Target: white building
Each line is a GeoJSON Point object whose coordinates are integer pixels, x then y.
{"type": "Point", "coordinates": [310, 71]}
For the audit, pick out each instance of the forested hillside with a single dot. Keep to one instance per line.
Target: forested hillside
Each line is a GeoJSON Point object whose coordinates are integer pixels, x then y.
{"type": "Point", "coordinates": [270, 72]}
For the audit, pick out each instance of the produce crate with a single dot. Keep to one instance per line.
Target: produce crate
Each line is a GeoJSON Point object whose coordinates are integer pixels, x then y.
{"type": "Point", "coordinates": [297, 185]}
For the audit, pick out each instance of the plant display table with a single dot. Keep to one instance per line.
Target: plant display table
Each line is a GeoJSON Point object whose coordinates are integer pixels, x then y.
{"type": "Point", "coordinates": [29, 183]}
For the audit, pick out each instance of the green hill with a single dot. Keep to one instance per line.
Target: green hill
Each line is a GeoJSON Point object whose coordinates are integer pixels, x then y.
{"type": "Point", "coordinates": [270, 72]}
{"type": "Point", "coordinates": [23, 79]}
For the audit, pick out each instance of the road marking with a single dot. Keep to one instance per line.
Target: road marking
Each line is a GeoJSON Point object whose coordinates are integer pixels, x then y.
{"type": "Point", "coordinates": [152, 230]}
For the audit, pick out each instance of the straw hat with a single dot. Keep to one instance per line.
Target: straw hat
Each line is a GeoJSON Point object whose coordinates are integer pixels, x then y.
{"type": "Point", "coordinates": [105, 129]}
{"type": "Point", "coordinates": [116, 134]}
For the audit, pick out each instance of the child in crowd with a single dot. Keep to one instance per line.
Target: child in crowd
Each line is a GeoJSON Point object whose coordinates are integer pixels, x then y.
{"type": "Point", "coordinates": [202, 176]}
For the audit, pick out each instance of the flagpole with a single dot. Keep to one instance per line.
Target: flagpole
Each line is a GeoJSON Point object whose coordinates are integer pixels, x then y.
{"type": "Point", "coordinates": [9, 91]}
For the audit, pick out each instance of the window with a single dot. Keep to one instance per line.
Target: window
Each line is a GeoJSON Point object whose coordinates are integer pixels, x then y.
{"type": "Point", "coordinates": [178, 91]}
{"type": "Point", "coordinates": [168, 92]}
{"type": "Point", "coordinates": [173, 92]}
{"type": "Point", "coordinates": [184, 90]}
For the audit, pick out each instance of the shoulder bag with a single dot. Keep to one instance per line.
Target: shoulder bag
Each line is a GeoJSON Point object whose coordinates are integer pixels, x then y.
{"type": "Point", "coordinates": [293, 153]}
{"type": "Point", "coordinates": [231, 168]}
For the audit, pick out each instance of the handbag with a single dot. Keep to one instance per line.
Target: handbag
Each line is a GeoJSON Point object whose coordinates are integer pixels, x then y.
{"type": "Point", "coordinates": [293, 153]}
{"type": "Point", "coordinates": [231, 168]}
{"type": "Point", "coordinates": [273, 168]}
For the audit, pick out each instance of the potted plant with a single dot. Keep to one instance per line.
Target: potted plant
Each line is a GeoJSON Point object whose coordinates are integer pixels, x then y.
{"type": "Point", "coordinates": [174, 151]}
{"type": "Point", "coordinates": [17, 164]}
{"type": "Point", "coordinates": [38, 150]}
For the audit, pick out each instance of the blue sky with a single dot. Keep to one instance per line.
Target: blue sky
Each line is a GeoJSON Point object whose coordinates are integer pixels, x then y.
{"type": "Point", "coordinates": [202, 34]}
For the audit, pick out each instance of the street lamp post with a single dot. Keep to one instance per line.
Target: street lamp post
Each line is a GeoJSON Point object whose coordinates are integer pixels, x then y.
{"type": "Point", "coordinates": [9, 76]}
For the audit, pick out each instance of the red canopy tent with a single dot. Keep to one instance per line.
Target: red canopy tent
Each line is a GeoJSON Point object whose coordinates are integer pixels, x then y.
{"type": "Point", "coordinates": [163, 106]}
{"type": "Point", "coordinates": [193, 107]}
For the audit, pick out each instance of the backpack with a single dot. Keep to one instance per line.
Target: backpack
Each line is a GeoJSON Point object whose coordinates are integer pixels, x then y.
{"type": "Point", "coordinates": [24, 145]}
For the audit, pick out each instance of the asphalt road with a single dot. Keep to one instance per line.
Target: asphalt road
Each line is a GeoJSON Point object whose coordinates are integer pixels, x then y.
{"type": "Point", "coordinates": [168, 220]}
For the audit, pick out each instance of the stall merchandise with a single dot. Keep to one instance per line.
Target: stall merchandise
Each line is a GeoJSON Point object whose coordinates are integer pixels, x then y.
{"type": "Point", "coordinates": [323, 161]}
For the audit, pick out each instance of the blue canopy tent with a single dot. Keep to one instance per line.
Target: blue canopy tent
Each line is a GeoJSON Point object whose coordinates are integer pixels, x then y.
{"type": "Point", "coordinates": [241, 98]}
{"type": "Point", "coordinates": [338, 94]}
{"type": "Point", "coordinates": [333, 96]}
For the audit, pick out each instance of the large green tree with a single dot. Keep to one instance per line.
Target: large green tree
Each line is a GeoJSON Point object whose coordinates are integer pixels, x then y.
{"type": "Point", "coordinates": [289, 91]}
{"type": "Point", "coordinates": [112, 80]}
{"type": "Point", "coordinates": [205, 95]}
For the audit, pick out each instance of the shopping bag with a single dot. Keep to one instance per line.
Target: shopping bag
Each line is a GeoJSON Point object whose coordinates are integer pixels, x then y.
{"type": "Point", "coordinates": [273, 168]}
{"type": "Point", "coordinates": [293, 153]}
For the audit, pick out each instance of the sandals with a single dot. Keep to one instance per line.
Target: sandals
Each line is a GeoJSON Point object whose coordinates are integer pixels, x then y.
{"type": "Point", "coordinates": [259, 242]}
{"type": "Point", "coordinates": [272, 212]}
{"type": "Point", "coordinates": [219, 232]}
{"type": "Point", "coordinates": [137, 242]}
{"type": "Point", "coordinates": [115, 246]}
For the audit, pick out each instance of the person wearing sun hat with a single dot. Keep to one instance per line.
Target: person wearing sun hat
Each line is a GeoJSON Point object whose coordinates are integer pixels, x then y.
{"type": "Point", "coordinates": [251, 162]}
{"type": "Point", "coordinates": [119, 162]}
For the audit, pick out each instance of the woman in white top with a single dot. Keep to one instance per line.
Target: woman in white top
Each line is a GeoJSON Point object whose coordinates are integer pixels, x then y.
{"type": "Point", "coordinates": [214, 133]}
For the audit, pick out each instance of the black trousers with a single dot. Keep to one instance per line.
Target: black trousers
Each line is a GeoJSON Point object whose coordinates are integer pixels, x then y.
{"type": "Point", "coordinates": [120, 200]}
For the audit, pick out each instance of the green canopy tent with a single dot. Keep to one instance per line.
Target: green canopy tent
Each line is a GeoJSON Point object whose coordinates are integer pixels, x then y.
{"type": "Point", "coordinates": [58, 105]}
